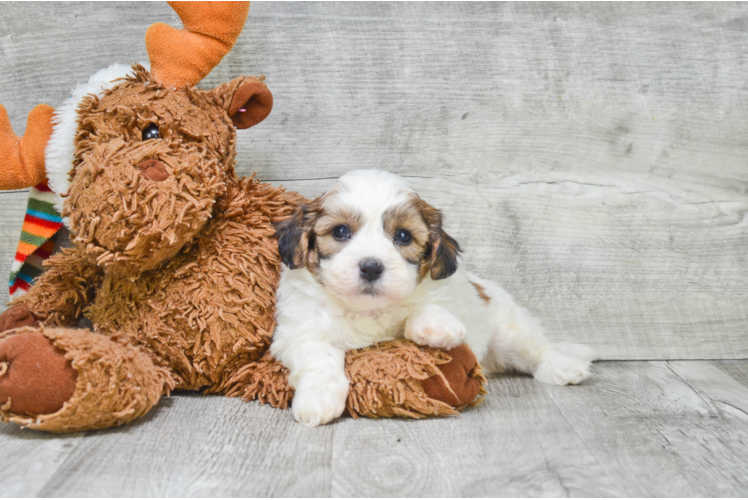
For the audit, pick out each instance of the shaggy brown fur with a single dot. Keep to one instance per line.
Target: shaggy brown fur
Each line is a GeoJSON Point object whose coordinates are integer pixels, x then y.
{"type": "Point", "coordinates": [177, 272]}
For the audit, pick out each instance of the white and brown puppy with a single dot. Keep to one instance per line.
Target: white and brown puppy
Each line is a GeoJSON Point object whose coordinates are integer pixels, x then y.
{"type": "Point", "coordinates": [369, 261]}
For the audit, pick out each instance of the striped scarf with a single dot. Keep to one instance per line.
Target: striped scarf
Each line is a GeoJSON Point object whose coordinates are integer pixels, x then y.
{"type": "Point", "coordinates": [38, 237]}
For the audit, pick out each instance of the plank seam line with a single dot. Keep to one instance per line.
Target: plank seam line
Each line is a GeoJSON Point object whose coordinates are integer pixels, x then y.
{"type": "Point", "coordinates": [732, 406]}
{"type": "Point", "coordinates": [334, 178]}
{"type": "Point", "coordinates": [554, 471]}
{"type": "Point", "coordinates": [629, 360]}
{"type": "Point", "coordinates": [700, 394]}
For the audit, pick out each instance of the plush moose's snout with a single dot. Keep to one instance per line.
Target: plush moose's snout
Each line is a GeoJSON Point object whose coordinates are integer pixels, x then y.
{"type": "Point", "coordinates": [130, 213]}
{"type": "Point", "coordinates": [153, 170]}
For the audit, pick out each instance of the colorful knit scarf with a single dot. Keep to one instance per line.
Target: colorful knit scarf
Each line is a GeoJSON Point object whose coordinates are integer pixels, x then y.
{"type": "Point", "coordinates": [38, 237]}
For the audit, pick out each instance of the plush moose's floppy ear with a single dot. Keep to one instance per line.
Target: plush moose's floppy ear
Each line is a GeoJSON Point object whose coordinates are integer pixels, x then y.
{"type": "Point", "coordinates": [296, 236]}
{"type": "Point", "coordinates": [443, 250]}
{"type": "Point", "coordinates": [251, 103]}
{"type": "Point", "coordinates": [247, 100]}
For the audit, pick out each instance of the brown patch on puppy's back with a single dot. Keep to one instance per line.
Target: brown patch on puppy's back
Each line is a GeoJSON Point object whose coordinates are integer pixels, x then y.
{"type": "Point", "coordinates": [481, 292]}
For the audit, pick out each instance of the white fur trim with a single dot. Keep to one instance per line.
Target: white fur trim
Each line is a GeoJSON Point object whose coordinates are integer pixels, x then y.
{"type": "Point", "coordinates": [61, 146]}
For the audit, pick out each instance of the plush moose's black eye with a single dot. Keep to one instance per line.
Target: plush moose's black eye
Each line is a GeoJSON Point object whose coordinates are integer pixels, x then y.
{"type": "Point", "coordinates": [151, 132]}
{"type": "Point", "coordinates": [403, 237]}
{"type": "Point", "coordinates": [341, 232]}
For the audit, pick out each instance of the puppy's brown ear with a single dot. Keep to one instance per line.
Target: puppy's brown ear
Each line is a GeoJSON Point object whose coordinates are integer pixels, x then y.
{"type": "Point", "coordinates": [296, 236]}
{"type": "Point", "coordinates": [442, 250]}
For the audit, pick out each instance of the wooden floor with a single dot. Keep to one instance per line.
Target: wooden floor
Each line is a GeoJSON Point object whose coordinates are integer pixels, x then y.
{"type": "Point", "coordinates": [638, 428]}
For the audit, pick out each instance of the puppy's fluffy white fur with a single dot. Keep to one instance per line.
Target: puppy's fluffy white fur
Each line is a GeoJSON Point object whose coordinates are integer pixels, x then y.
{"type": "Point", "coordinates": [325, 306]}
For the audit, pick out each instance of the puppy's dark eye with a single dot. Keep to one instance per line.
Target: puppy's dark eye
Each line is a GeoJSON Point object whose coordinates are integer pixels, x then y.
{"type": "Point", "coordinates": [341, 232]}
{"type": "Point", "coordinates": [403, 237]}
{"type": "Point", "coordinates": [151, 132]}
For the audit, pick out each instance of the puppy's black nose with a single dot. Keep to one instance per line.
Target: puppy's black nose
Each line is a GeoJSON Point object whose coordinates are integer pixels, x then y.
{"type": "Point", "coordinates": [371, 270]}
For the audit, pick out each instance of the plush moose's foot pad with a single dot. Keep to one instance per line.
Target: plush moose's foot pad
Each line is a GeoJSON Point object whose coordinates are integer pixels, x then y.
{"type": "Point", "coordinates": [111, 383]}
{"type": "Point", "coordinates": [35, 375]}
{"type": "Point", "coordinates": [459, 386]}
{"type": "Point", "coordinates": [389, 380]}
{"type": "Point", "coordinates": [15, 317]}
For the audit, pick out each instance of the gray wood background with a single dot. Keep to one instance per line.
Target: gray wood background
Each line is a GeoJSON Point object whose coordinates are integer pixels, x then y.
{"type": "Point", "coordinates": [590, 157]}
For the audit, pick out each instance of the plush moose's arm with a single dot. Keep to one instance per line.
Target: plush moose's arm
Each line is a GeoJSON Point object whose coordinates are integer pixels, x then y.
{"type": "Point", "coordinates": [60, 294]}
{"type": "Point", "coordinates": [390, 379]}
{"type": "Point", "coordinates": [22, 158]}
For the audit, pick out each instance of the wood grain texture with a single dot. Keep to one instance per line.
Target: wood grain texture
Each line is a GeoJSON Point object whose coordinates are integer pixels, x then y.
{"type": "Point", "coordinates": [710, 381]}
{"type": "Point", "coordinates": [590, 157]}
{"type": "Point", "coordinates": [657, 435]}
{"type": "Point", "coordinates": [637, 428]}
{"type": "Point", "coordinates": [30, 459]}
{"type": "Point", "coordinates": [515, 444]}
{"type": "Point", "coordinates": [200, 446]}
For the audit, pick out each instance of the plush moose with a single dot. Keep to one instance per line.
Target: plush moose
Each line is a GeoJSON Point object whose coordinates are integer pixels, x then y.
{"type": "Point", "coordinates": [174, 259]}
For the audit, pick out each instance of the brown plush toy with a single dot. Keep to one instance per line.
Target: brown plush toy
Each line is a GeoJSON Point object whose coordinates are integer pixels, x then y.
{"type": "Point", "coordinates": [174, 258]}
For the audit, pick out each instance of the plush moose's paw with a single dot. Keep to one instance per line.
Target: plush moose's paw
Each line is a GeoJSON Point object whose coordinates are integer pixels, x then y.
{"type": "Point", "coordinates": [34, 374]}
{"type": "Point", "coordinates": [561, 369]}
{"type": "Point", "coordinates": [435, 327]}
{"type": "Point", "coordinates": [456, 387]}
{"type": "Point", "coordinates": [315, 406]}
{"type": "Point", "coordinates": [15, 317]}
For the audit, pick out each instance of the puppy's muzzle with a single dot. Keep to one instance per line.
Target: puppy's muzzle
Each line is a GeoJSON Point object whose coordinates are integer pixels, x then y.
{"type": "Point", "coordinates": [371, 270]}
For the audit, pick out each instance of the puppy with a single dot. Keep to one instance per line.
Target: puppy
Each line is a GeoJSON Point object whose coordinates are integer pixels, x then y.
{"type": "Point", "coordinates": [369, 261]}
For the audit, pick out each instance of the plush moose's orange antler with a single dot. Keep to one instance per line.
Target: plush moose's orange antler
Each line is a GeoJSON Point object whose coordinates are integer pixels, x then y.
{"type": "Point", "coordinates": [22, 158]}
{"type": "Point", "coordinates": [184, 57]}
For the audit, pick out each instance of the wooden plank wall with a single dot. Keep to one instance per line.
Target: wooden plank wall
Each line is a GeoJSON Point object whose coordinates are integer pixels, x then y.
{"type": "Point", "coordinates": [590, 157]}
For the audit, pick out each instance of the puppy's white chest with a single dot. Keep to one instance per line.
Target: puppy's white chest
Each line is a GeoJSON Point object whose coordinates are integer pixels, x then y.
{"type": "Point", "coordinates": [363, 328]}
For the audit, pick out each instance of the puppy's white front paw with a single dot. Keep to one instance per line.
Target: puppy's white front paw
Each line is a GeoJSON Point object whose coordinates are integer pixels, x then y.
{"type": "Point", "coordinates": [561, 369]}
{"type": "Point", "coordinates": [434, 326]}
{"type": "Point", "coordinates": [315, 406]}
